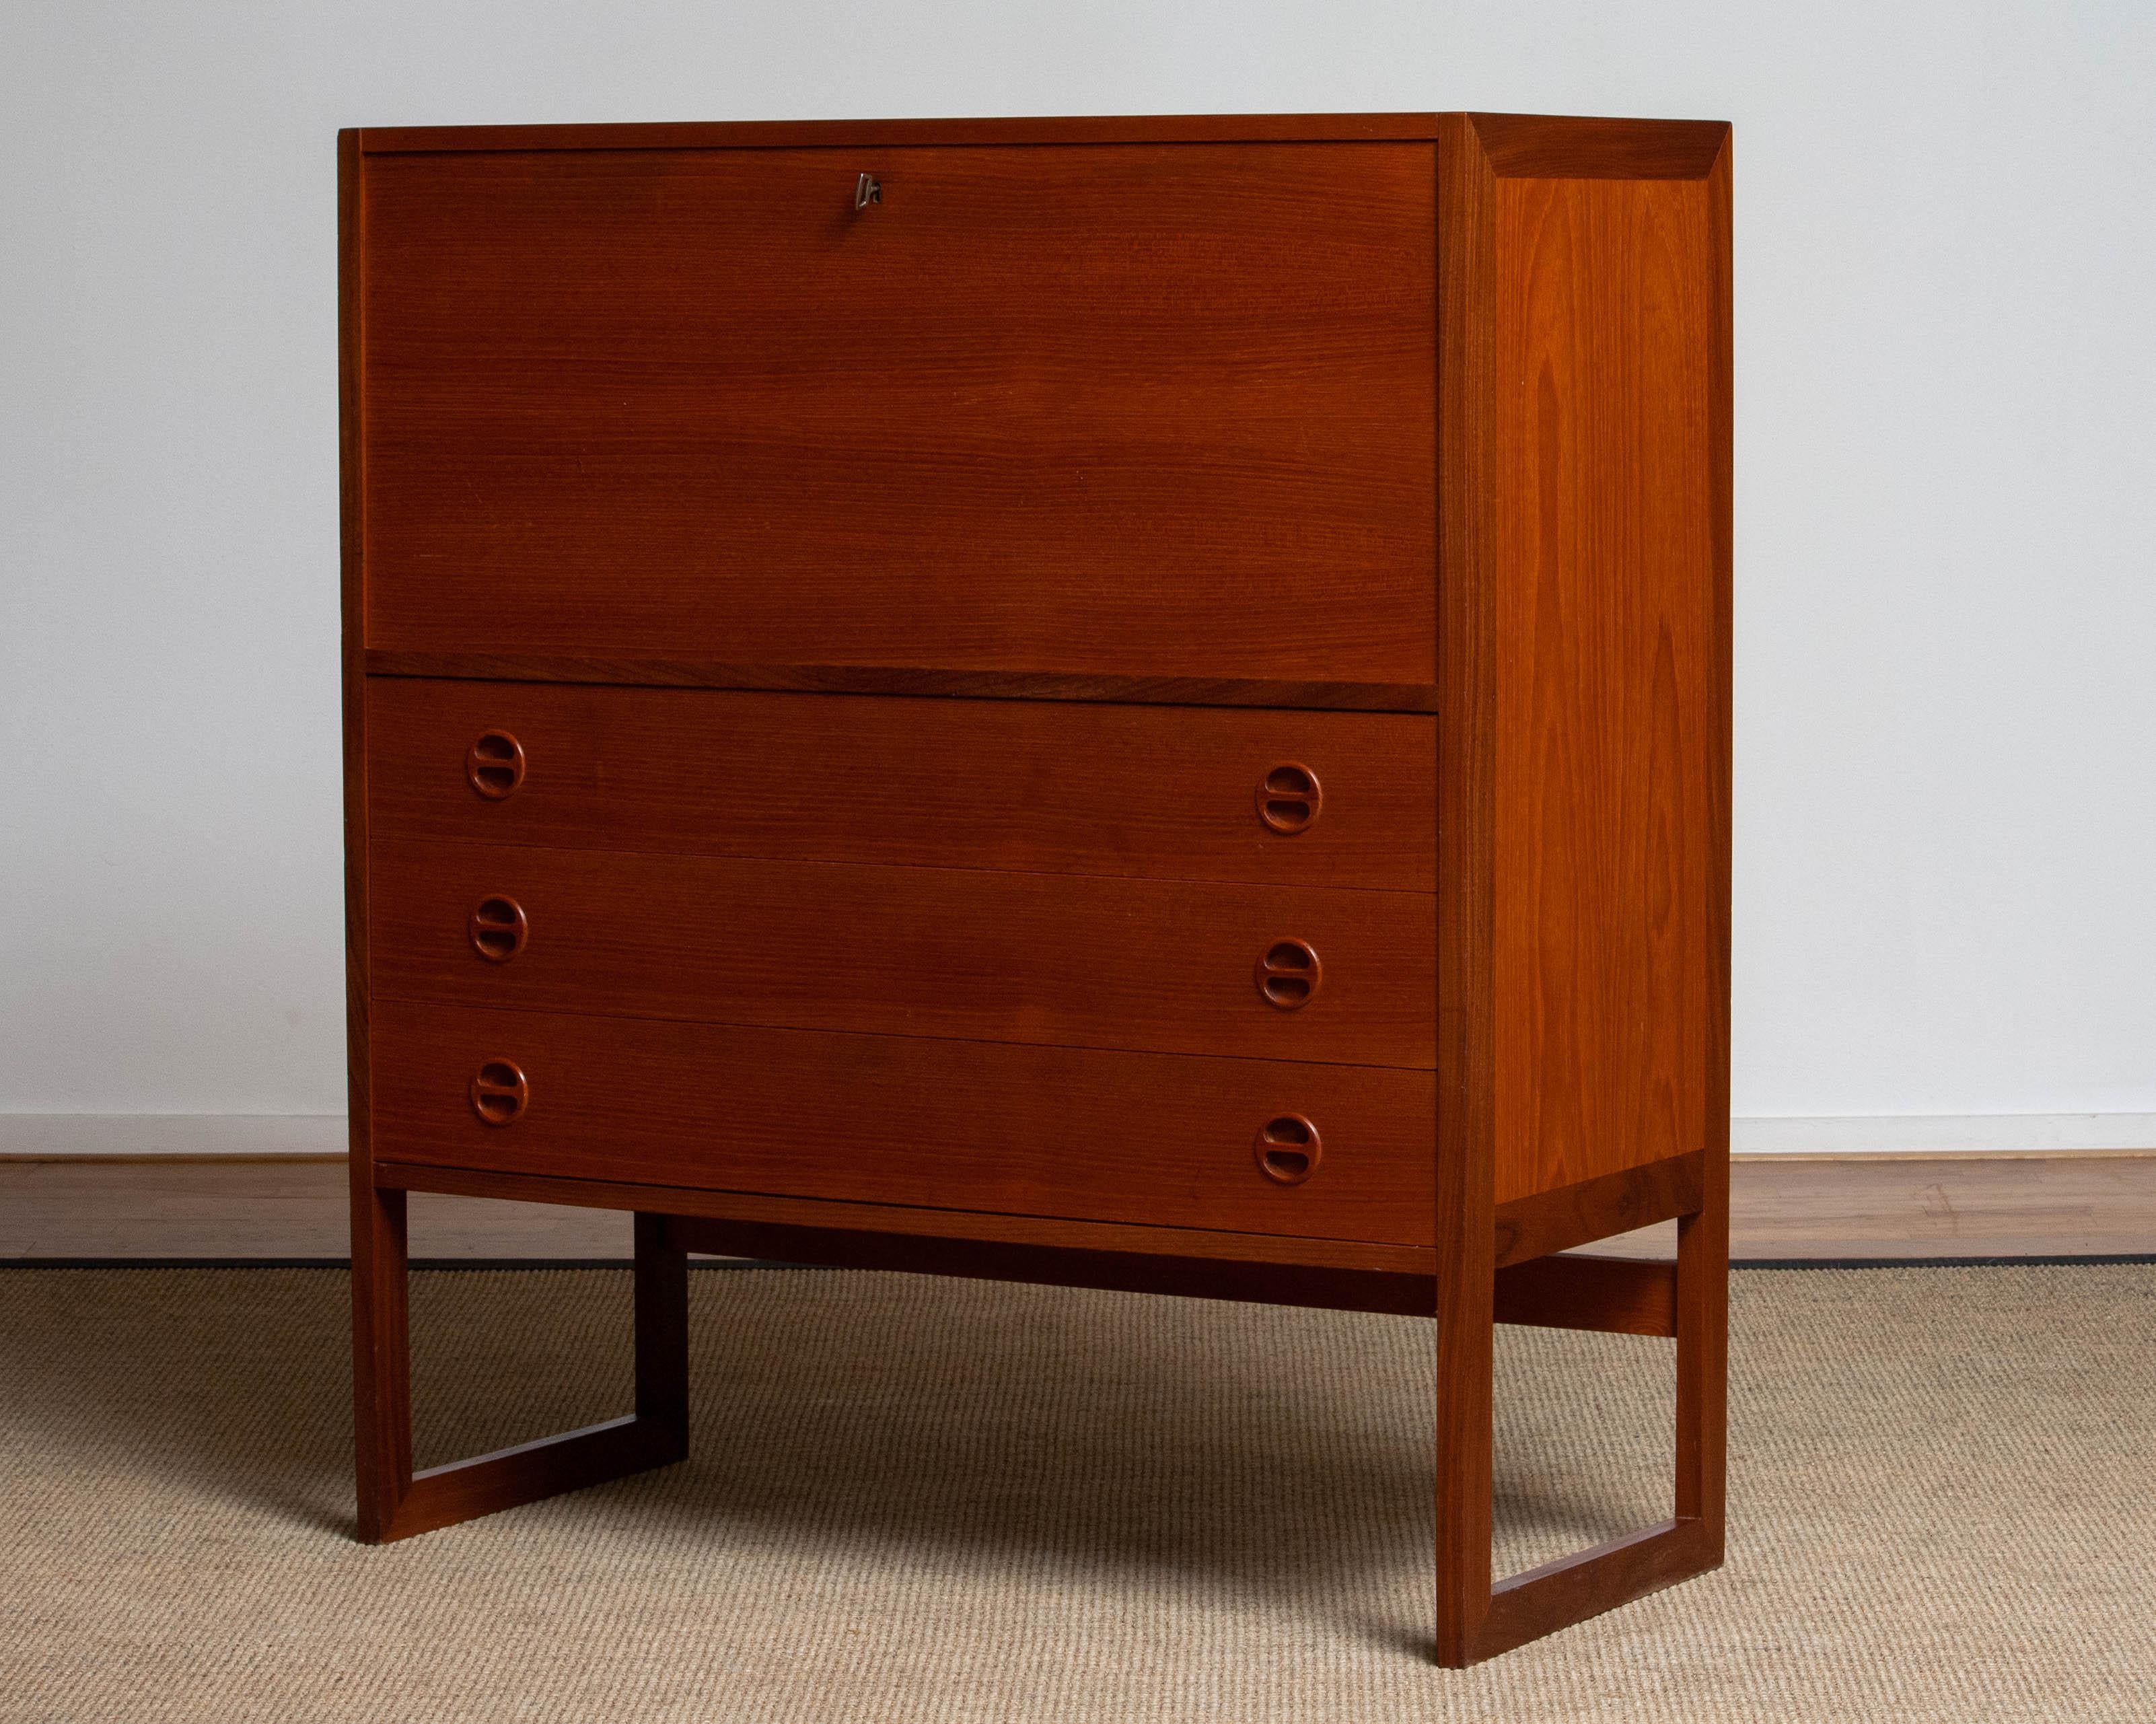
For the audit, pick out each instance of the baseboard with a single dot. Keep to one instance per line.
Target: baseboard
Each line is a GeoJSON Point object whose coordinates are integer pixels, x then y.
{"type": "Point", "coordinates": [275, 1189]}
{"type": "Point", "coordinates": [1937, 1134]}
{"type": "Point", "coordinates": [1945, 1204]}
{"type": "Point", "coordinates": [162, 1136]}
{"type": "Point", "coordinates": [42, 1136]}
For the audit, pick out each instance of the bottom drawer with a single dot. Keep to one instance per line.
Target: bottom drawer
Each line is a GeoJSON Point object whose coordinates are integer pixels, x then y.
{"type": "Point", "coordinates": [1248, 1145]}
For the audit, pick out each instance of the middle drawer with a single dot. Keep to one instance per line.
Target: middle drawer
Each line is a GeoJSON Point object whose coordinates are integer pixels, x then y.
{"type": "Point", "coordinates": [1325, 975]}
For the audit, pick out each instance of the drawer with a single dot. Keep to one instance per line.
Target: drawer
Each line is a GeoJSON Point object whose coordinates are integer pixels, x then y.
{"type": "Point", "coordinates": [1159, 792]}
{"type": "Point", "coordinates": [1168, 967]}
{"type": "Point", "coordinates": [1135, 409]}
{"type": "Point", "coordinates": [1165, 1139]}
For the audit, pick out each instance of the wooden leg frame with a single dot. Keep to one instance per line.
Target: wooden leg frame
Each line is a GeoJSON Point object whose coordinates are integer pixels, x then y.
{"type": "Point", "coordinates": [396, 1503]}
{"type": "Point", "coordinates": [1686, 1301]}
{"type": "Point", "coordinates": [1514, 1277]}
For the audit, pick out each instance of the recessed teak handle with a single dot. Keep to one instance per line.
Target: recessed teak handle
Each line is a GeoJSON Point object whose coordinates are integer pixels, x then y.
{"type": "Point", "coordinates": [1289, 974]}
{"type": "Point", "coordinates": [1288, 1149]}
{"type": "Point", "coordinates": [498, 1092]}
{"type": "Point", "coordinates": [498, 928]}
{"type": "Point", "coordinates": [494, 764]}
{"type": "Point", "coordinates": [1289, 798]}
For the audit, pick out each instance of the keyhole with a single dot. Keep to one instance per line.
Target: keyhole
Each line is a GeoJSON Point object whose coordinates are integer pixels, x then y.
{"type": "Point", "coordinates": [1288, 1149]}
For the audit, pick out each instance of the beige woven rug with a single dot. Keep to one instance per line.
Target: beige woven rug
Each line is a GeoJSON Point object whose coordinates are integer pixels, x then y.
{"type": "Point", "coordinates": [915, 1499]}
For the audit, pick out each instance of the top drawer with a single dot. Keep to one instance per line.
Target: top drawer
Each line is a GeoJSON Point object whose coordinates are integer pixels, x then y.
{"type": "Point", "coordinates": [1143, 410]}
{"type": "Point", "coordinates": [1273, 797]}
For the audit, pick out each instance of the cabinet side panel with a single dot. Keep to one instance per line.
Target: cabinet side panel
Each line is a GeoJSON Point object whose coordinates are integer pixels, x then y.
{"type": "Point", "coordinates": [1609, 688]}
{"type": "Point", "coordinates": [352, 552]}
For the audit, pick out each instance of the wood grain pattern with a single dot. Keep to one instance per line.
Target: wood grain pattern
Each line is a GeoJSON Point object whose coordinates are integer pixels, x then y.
{"type": "Point", "coordinates": [1575, 1588]}
{"type": "Point", "coordinates": [1860, 1209]}
{"type": "Point", "coordinates": [1131, 791]}
{"type": "Point", "coordinates": [854, 134]}
{"type": "Point", "coordinates": [528, 1472]}
{"type": "Point", "coordinates": [352, 620]}
{"type": "Point", "coordinates": [1703, 1238]}
{"type": "Point", "coordinates": [1140, 410]}
{"type": "Point", "coordinates": [1702, 1276]}
{"type": "Point", "coordinates": [932, 680]}
{"type": "Point", "coordinates": [1392, 1292]}
{"type": "Point", "coordinates": [1137, 1137]}
{"type": "Point", "coordinates": [912, 1221]}
{"type": "Point", "coordinates": [1583, 675]}
{"type": "Point", "coordinates": [1537, 146]}
{"type": "Point", "coordinates": [1467, 1052]}
{"type": "Point", "coordinates": [1616, 1295]}
{"type": "Point", "coordinates": [395, 1502]}
{"type": "Point", "coordinates": [1599, 1208]}
{"type": "Point", "coordinates": [1145, 965]}
{"type": "Point", "coordinates": [1236, 415]}
{"type": "Point", "coordinates": [381, 1352]}
{"type": "Point", "coordinates": [381, 1412]}
{"type": "Point", "coordinates": [660, 1324]}
{"type": "Point", "coordinates": [1607, 326]}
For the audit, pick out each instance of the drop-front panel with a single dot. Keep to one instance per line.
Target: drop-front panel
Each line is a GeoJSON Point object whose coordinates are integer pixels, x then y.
{"type": "Point", "coordinates": [1133, 409]}
{"type": "Point", "coordinates": [1128, 703]}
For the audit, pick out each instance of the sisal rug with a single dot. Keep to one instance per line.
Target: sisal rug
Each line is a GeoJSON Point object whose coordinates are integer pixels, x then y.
{"type": "Point", "coordinates": [917, 1500]}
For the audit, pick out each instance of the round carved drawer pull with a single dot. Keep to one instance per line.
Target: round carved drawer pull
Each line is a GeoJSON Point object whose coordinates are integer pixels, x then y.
{"type": "Point", "coordinates": [1289, 974]}
{"type": "Point", "coordinates": [498, 928]}
{"type": "Point", "coordinates": [1288, 1149]}
{"type": "Point", "coordinates": [1289, 798]}
{"type": "Point", "coordinates": [494, 764]}
{"type": "Point", "coordinates": [498, 1092]}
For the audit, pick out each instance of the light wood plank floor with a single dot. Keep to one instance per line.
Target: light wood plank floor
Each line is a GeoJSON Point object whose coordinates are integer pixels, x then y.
{"type": "Point", "coordinates": [2065, 1204]}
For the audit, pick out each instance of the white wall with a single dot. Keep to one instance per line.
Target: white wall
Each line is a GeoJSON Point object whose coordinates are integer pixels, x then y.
{"type": "Point", "coordinates": [1946, 806]}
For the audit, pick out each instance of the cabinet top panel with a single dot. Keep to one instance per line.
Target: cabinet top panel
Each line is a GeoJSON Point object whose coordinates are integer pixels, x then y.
{"type": "Point", "coordinates": [1645, 149]}
{"type": "Point", "coordinates": [841, 134]}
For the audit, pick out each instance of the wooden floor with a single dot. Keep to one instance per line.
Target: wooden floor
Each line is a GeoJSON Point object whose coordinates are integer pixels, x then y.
{"type": "Point", "coordinates": [2064, 1204]}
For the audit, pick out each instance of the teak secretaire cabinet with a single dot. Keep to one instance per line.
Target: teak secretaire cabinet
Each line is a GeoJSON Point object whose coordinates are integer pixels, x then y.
{"type": "Point", "coordinates": [1136, 703]}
